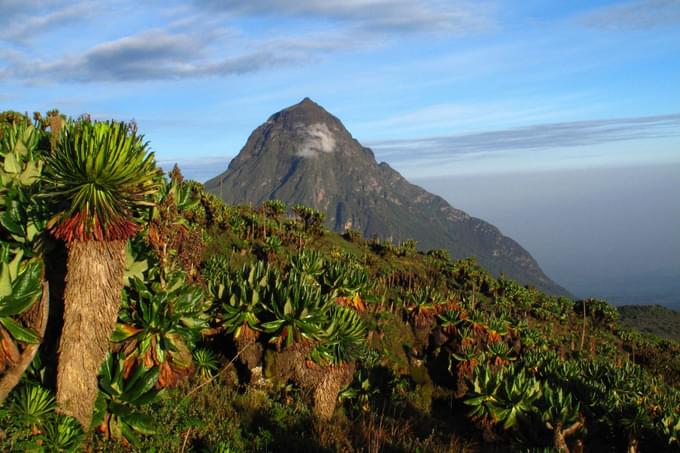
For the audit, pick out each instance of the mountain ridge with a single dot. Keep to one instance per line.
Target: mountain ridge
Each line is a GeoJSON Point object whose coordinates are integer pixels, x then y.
{"type": "Point", "coordinates": [304, 154]}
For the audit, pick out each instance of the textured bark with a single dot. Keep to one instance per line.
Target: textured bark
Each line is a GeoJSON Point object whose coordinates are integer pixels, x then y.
{"type": "Point", "coordinates": [559, 442]}
{"type": "Point", "coordinates": [324, 381]}
{"type": "Point", "coordinates": [560, 435]}
{"type": "Point", "coordinates": [39, 322]}
{"type": "Point", "coordinates": [94, 281]}
{"type": "Point", "coordinates": [326, 392]}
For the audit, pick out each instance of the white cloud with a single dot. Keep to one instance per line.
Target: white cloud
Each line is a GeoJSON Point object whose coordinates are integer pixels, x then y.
{"type": "Point", "coordinates": [317, 138]}
{"type": "Point", "coordinates": [538, 137]}
{"type": "Point", "coordinates": [452, 16]}
{"type": "Point", "coordinates": [22, 26]}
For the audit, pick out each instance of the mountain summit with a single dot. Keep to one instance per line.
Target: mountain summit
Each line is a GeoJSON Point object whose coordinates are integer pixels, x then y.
{"type": "Point", "coordinates": [303, 154]}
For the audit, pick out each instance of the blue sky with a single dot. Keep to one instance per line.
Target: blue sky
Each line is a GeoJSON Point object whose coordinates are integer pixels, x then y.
{"type": "Point", "coordinates": [435, 87]}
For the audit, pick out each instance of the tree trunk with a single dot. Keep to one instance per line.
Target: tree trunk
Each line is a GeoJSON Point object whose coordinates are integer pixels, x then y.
{"type": "Point", "coordinates": [94, 281]}
{"type": "Point", "coordinates": [560, 434]}
{"type": "Point", "coordinates": [326, 393]}
{"type": "Point", "coordinates": [559, 442]}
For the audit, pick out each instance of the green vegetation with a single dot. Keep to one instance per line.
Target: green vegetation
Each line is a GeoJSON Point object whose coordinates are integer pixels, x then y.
{"type": "Point", "coordinates": [652, 319]}
{"type": "Point", "coordinates": [248, 329]}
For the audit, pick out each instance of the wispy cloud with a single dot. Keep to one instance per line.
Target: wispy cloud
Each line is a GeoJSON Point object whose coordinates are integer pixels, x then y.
{"type": "Point", "coordinates": [453, 16]}
{"type": "Point", "coordinates": [635, 15]}
{"type": "Point", "coordinates": [538, 137]}
{"type": "Point", "coordinates": [162, 55]}
{"type": "Point", "coordinates": [189, 40]}
{"type": "Point", "coordinates": [20, 24]}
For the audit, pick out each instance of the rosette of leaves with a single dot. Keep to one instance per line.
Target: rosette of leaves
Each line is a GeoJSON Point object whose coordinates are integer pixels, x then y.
{"type": "Point", "coordinates": [468, 357]}
{"type": "Point", "coordinates": [344, 279]}
{"type": "Point", "coordinates": [422, 305]}
{"type": "Point", "coordinates": [407, 247]}
{"type": "Point", "coordinates": [670, 428]}
{"type": "Point", "coordinates": [498, 327]}
{"type": "Point", "coordinates": [477, 322]}
{"type": "Point", "coordinates": [344, 340]}
{"type": "Point", "coordinates": [502, 397]}
{"type": "Point", "coordinates": [499, 353]}
{"type": "Point", "coordinates": [206, 363]}
{"type": "Point", "coordinates": [309, 263]}
{"type": "Point", "coordinates": [33, 405]}
{"type": "Point", "coordinates": [160, 325]}
{"type": "Point", "coordinates": [312, 219]}
{"type": "Point", "coordinates": [297, 310]}
{"type": "Point", "coordinates": [274, 209]}
{"type": "Point", "coordinates": [449, 320]}
{"type": "Point", "coordinates": [247, 291]}
{"type": "Point", "coordinates": [560, 413]}
{"type": "Point", "coordinates": [63, 435]}
{"type": "Point", "coordinates": [217, 275]}
{"type": "Point", "coordinates": [20, 154]}
{"type": "Point", "coordinates": [518, 296]}
{"type": "Point", "coordinates": [35, 426]}
{"type": "Point", "coordinates": [484, 396]}
{"type": "Point", "coordinates": [117, 409]}
{"type": "Point", "coordinates": [360, 392]}
{"type": "Point", "coordinates": [272, 245]}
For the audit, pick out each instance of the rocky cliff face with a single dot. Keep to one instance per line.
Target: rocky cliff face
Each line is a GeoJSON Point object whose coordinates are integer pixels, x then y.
{"type": "Point", "coordinates": [303, 154]}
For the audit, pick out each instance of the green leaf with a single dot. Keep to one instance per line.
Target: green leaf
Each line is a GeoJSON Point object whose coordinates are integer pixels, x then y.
{"type": "Point", "coordinates": [18, 332]}
{"type": "Point", "coordinates": [25, 291]}
{"type": "Point", "coordinates": [128, 432]}
{"type": "Point", "coordinates": [14, 265]}
{"type": "Point", "coordinates": [133, 268]}
{"type": "Point", "coordinates": [140, 423]}
{"type": "Point", "coordinates": [30, 173]}
{"type": "Point", "coordinates": [5, 281]}
{"type": "Point", "coordinates": [145, 383]}
{"type": "Point", "coordinates": [475, 401]}
{"type": "Point", "coordinates": [9, 219]}
{"type": "Point", "coordinates": [123, 332]}
{"type": "Point", "coordinates": [99, 409]}
{"type": "Point", "coordinates": [107, 368]}
{"type": "Point", "coordinates": [11, 163]}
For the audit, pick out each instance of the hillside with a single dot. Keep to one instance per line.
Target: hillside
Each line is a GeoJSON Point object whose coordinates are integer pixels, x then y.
{"type": "Point", "coordinates": [653, 319]}
{"type": "Point", "coordinates": [305, 155]}
{"type": "Point", "coordinates": [255, 329]}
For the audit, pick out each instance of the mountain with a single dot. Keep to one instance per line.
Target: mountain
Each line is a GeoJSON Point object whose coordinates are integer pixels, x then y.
{"type": "Point", "coordinates": [303, 154]}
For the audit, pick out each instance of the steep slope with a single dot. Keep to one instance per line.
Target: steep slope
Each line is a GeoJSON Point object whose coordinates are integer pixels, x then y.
{"type": "Point", "coordinates": [303, 154]}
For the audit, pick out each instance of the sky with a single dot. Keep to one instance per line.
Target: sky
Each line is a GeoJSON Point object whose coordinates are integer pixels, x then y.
{"type": "Point", "coordinates": [449, 92]}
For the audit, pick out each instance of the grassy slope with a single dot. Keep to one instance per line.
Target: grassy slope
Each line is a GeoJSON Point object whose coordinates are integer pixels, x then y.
{"type": "Point", "coordinates": [653, 319]}
{"type": "Point", "coordinates": [413, 389]}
